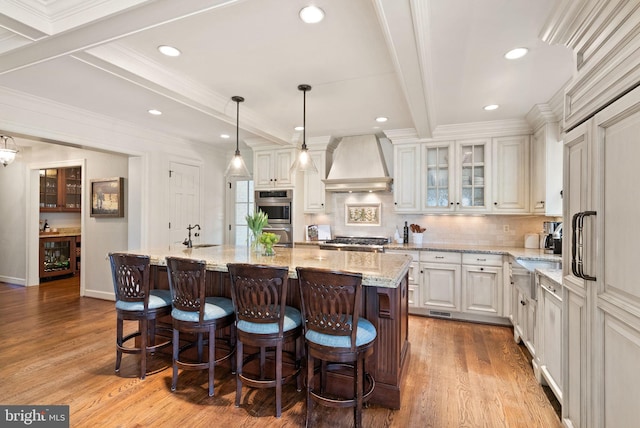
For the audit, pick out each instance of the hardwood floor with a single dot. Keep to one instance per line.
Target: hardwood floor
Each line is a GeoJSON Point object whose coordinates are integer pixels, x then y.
{"type": "Point", "coordinates": [59, 348]}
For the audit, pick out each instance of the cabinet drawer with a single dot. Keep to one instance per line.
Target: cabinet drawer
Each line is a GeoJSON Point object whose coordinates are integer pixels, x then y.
{"type": "Point", "coordinates": [440, 257]}
{"type": "Point", "coordinates": [482, 259]}
{"type": "Point", "coordinates": [414, 254]}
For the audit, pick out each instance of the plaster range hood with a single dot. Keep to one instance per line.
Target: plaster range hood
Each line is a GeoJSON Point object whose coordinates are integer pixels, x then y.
{"type": "Point", "coordinates": [358, 166]}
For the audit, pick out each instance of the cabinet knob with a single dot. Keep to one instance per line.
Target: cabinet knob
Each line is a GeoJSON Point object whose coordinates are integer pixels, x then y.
{"type": "Point", "coordinates": [457, 203]}
{"type": "Point", "coordinates": [481, 268]}
{"type": "Point", "coordinates": [495, 203]}
{"type": "Point", "coordinates": [451, 203]}
{"type": "Point", "coordinates": [522, 302]}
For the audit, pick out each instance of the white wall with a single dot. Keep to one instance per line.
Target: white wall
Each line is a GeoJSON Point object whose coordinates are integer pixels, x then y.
{"type": "Point", "coordinates": [106, 146]}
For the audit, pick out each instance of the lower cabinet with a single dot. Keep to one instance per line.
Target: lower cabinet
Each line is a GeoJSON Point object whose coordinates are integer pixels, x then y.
{"type": "Point", "coordinates": [482, 284]}
{"type": "Point", "coordinates": [441, 282]}
{"type": "Point", "coordinates": [57, 256]}
{"type": "Point", "coordinates": [456, 285]}
{"type": "Point", "coordinates": [549, 350]}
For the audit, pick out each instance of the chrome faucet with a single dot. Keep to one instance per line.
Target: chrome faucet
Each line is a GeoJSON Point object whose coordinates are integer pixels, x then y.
{"type": "Point", "coordinates": [187, 241]}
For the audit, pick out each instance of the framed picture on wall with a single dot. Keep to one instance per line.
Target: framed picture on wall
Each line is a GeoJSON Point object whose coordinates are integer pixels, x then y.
{"type": "Point", "coordinates": [107, 197]}
{"type": "Point", "coordinates": [362, 214]}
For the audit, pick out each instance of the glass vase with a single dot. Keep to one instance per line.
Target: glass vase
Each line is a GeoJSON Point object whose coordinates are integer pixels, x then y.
{"type": "Point", "coordinates": [268, 251]}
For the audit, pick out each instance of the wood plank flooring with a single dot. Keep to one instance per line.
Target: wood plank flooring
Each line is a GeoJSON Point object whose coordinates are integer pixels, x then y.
{"type": "Point", "coordinates": [59, 348]}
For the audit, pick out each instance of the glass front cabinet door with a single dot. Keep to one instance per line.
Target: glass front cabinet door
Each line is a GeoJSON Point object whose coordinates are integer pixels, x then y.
{"type": "Point", "coordinates": [57, 256]}
{"type": "Point", "coordinates": [437, 177]}
{"type": "Point", "coordinates": [473, 167]}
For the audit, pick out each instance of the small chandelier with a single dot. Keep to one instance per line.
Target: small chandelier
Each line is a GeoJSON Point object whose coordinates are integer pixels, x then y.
{"type": "Point", "coordinates": [237, 167]}
{"type": "Point", "coordinates": [7, 155]}
{"type": "Point", "coordinates": [303, 161]}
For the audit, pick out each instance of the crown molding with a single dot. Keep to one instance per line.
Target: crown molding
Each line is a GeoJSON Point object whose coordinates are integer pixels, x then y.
{"type": "Point", "coordinates": [496, 128]}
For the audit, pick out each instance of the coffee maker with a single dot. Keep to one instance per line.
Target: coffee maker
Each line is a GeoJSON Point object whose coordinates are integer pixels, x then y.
{"type": "Point", "coordinates": [553, 237]}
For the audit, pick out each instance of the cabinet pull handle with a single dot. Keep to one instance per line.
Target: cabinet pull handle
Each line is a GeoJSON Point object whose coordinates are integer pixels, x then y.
{"type": "Point", "coordinates": [481, 260]}
{"type": "Point", "coordinates": [577, 245]}
{"type": "Point", "coordinates": [439, 257]}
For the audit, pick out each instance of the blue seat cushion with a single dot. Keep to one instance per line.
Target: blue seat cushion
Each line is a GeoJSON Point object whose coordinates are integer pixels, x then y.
{"type": "Point", "coordinates": [157, 299]}
{"type": "Point", "coordinates": [214, 308]}
{"type": "Point", "coordinates": [292, 319]}
{"type": "Point", "coordinates": [366, 333]}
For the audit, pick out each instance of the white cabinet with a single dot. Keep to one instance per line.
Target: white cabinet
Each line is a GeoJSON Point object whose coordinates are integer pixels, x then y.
{"type": "Point", "coordinates": [271, 168]}
{"type": "Point", "coordinates": [602, 386]}
{"type": "Point", "coordinates": [510, 178]}
{"type": "Point", "coordinates": [546, 171]}
{"type": "Point", "coordinates": [314, 193]}
{"type": "Point", "coordinates": [549, 340]}
{"type": "Point", "coordinates": [473, 163]}
{"type": "Point", "coordinates": [437, 176]}
{"type": "Point", "coordinates": [406, 181]}
{"type": "Point", "coordinates": [482, 284]}
{"type": "Point", "coordinates": [414, 277]}
{"type": "Point", "coordinates": [441, 281]}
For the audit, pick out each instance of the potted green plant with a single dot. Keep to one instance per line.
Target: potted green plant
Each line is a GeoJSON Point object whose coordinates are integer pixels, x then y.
{"type": "Point", "coordinates": [256, 222]}
{"type": "Point", "coordinates": [268, 239]}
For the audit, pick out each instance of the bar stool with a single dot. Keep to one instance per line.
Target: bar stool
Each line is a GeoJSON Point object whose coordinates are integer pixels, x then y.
{"type": "Point", "coordinates": [136, 301]}
{"type": "Point", "coordinates": [336, 335]}
{"type": "Point", "coordinates": [197, 314]}
{"type": "Point", "coordinates": [263, 320]}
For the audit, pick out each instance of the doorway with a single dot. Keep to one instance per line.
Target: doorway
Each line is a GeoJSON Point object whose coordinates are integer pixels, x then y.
{"type": "Point", "coordinates": [35, 217]}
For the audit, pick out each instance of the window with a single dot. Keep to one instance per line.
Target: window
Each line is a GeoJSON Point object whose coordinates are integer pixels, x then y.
{"type": "Point", "coordinates": [243, 205]}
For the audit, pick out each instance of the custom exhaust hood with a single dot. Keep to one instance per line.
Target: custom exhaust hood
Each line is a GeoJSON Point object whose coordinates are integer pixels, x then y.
{"type": "Point", "coordinates": [358, 166]}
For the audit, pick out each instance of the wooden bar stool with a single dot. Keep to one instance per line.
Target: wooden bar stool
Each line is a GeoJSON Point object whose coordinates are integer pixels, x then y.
{"type": "Point", "coordinates": [263, 320]}
{"type": "Point", "coordinates": [336, 335]}
{"type": "Point", "coordinates": [194, 313]}
{"type": "Point", "coordinates": [136, 301]}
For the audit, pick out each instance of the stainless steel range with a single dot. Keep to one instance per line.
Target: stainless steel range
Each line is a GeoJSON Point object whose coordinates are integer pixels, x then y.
{"type": "Point", "coordinates": [356, 243]}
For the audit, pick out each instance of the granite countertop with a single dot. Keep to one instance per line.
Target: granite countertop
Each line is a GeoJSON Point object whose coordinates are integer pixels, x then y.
{"type": "Point", "coordinates": [378, 269]}
{"type": "Point", "coordinates": [554, 275]}
{"type": "Point", "coordinates": [517, 252]}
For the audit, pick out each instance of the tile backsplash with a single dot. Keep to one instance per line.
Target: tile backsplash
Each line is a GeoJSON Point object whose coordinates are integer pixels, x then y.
{"type": "Point", "coordinates": [494, 230]}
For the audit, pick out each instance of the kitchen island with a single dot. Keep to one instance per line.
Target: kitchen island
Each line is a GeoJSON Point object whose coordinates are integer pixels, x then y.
{"type": "Point", "coordinates": [385, 297]}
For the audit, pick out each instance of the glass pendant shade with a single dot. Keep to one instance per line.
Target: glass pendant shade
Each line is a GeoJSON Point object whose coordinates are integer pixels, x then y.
{"type": "Point", "coordinates": [7, 155]}
{"type": "Point", "coordinates": [237, 168]}
{"type": "Point", "coordinates": [303, 162]}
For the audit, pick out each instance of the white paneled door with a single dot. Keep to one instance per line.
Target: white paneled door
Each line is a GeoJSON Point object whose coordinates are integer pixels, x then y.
{"type": "Point", "coordinates": [184, 200]}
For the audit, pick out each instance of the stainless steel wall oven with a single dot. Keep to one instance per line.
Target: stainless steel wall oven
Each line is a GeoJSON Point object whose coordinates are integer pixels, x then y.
{"type": "Point", "coordinates": [277, 205]}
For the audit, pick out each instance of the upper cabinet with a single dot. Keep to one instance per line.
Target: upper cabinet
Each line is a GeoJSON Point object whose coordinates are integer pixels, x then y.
{"type": "Point", "coordinates": [479, 175]}
{"type": "Point", "coordinates": [406, 184]}
{"type": "Point", "coordinates": [61, 189]}
{"type": "Point", "coordinates": [315, 200]}
{"type": "Point", "coordinates": [271, 168]}
{"type": "Point", "coordinates": [510, 181]}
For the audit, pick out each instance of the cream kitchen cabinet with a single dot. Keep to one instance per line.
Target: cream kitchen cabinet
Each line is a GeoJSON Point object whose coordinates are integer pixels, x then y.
{"type": "Point", "coordinates": [406, 181]}
{"type": "Point", "coordinates": [440, 287]}
{"type": "Point", "coordinates": [315, 200]}
{"type": "Point", "coordinates": [546, 171]}
{"type": "Point", "coordinates": [601, 299]}
{"type": "Point", "coordinates": [510, 175]}
{"type": "Point", "coordinates": [482, 284]}
{"type": "Point", "coordinates": [271, 168]}
{"type": "Point", "coordinates": [473, 164]}
{"type": "Point", "coordinates": [437, 176]}
{"type": "Point", "coordinates": [414, 277]}
{"type": "Point", "coordinates": [549, 334]}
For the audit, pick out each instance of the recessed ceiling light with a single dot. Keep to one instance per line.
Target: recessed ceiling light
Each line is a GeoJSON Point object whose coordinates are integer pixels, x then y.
{"type": "Point", "coordinates": [155, 112]}
{"type": "Point", "coordinates": [381, 119]}
{"type": "Point", "coordinates": [299, 128]}
{"type": "Point", "coordinates": [169, 50]}
{"type": "Point", "coordinates": [224, 136]}
{"type": "Point", "coordinates": [516, 53]}
{"type": "Point", "coordinates": [311, 14]}
{"type": "Point", "coordinates": [491, 107]}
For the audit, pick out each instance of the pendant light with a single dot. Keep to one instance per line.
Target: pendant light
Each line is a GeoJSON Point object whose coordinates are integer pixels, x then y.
{"type": "Point", "coordinates": [237, 167]}
{"type": "Point", "coordinates": [7, 155]}
{"type": "Point", "coordinates": [303, 161]}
